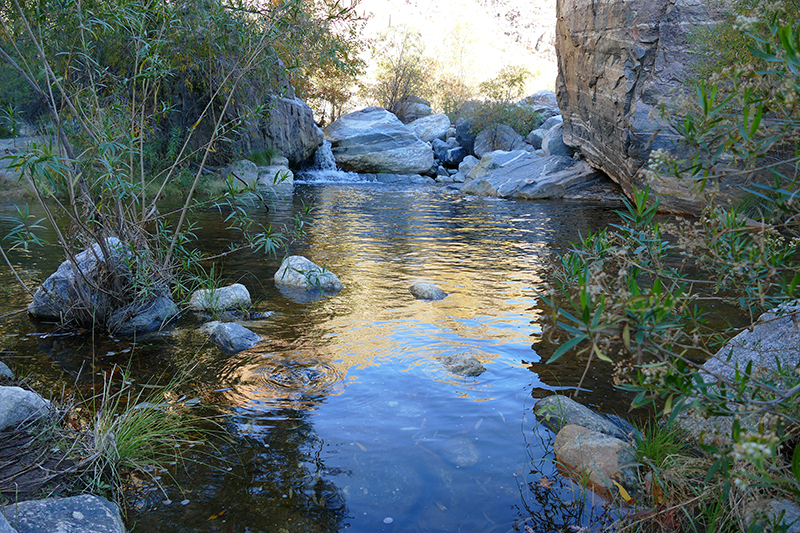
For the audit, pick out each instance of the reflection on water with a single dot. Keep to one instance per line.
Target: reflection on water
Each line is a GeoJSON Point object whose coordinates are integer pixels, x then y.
{"type": "Point", "coordinates": [344, 416]}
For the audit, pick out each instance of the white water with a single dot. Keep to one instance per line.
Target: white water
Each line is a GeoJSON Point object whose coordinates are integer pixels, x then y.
{"type": "Point", "coordinates": [326, 171]}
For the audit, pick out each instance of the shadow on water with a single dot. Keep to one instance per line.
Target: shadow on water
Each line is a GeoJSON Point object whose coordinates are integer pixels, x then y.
{"type": "Point", "coordinates": [344, 417]}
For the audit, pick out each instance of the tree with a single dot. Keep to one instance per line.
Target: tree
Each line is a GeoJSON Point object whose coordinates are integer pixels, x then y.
{"type": "Point", "coordinates": [402, 68]}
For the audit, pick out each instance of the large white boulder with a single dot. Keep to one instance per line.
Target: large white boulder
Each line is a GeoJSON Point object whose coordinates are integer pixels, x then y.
{"type": "Point", "coordinates": [374, 140]}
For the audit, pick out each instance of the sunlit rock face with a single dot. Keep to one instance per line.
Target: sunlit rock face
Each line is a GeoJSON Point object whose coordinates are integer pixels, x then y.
{"type": "Point", "coordinates": [617, 60]}
{"type": "Point", "coordinates": [374, 140]}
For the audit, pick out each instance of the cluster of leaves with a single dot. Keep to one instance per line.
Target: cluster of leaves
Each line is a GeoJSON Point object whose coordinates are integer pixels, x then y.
{"type": "Point", "coordinates": [500, 104]}
{"type": "Point", "coordinates": [645, 296]}
{"type": "Point", "coordinates": [403, 69]}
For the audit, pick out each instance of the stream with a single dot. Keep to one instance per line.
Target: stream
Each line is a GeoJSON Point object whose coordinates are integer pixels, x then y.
{"type": "Point", "coordinates": [344, 417]}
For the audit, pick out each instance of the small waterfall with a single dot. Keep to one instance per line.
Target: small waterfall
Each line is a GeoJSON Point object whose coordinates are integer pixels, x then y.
{"type": "Point", "coordinates": [325, 171]}
{"type": "Point", "coordinates": [323, 159]}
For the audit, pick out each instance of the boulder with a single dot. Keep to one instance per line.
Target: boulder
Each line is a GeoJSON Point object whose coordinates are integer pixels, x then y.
{"type": "Point", "coordinates": [230, 337]}
{"type": "Point", "coordinates": [18, 405]}
{"type": "Point", "coordinates": [581, 452]}
{"type": "Point", "coordinates": [552, 122]}
{"type": "Point", "coordinates": [528, 176]}
{"type": "Point", "coordinates": [542, 98]}
{"type": "Point", "coordinates": [290, 128]}
{"type": "Point", "coordinates": [244, 173]}
{"type": "Point", "coordinates": [234, 296]}
{"type": "Point", "coordinates": [297, 272]}
{"type": "Point", "coordinates": [500, 137]}
{"type": "Point", "coordinates": [275, 176]}
{"type": "Point", "coordinates": [557, 411]}
{"type": "Point", "coordinates": [143, 317]}
{"type": "Point", "coordinates": [463, 364]}
{"type": "Point", "coordinates": [58, 294]}
{"type": "Point", "coordinates": [431, 127]}
{"type": "Point", "coordinates": [553, 142]}
{"type": "Point", "coordinates": [374, 140]}
{"type": "Point", "coordinates": [248, 174]}
{"type": "Point", "coordinates": [78, 514]}
{"type": "Point", "coordinates": [764, 513]}
{"type": "Point", "coordinates": [467, 164]}
{"type": "Point", "coordinates": [772, 342]}
{"type": "Point", "coordinates": [5, 527]}
{"type": "Point", "coordinates": [617, 61]}
{"type": "Point", "coordinates": [66, 294]}
{"type": "Point", "coordinates": [465, 133]}
{"type": "Point", "coordinates": [413, 108]}
{"type": "Point", "coordinates": [536, 137]}
{"type": "Point", "coordinates": [454, 156]}
{"type": "Point", "coordinates": [440, 149]}
{"type": "Point", "coordinates": [427, 291]}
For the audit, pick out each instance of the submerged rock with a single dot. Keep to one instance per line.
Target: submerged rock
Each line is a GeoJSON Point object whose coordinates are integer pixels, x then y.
{"type": "Point", "coordinates": [463, 364]}
{"type": "Point", "coordinates": [141, 318]}
{"type": "Point", "coordinates": [234, 296]}
{"type": "Point", "coordinates": [78, 514]}
{"type": "Point", "coordinates": [18, 405]}
{"type": "Point", "coordinates": [231, 338]}
{"type": "Point", "coordinates": [427, 291]}
{"type": "Point", "coordinates": [297, 272]}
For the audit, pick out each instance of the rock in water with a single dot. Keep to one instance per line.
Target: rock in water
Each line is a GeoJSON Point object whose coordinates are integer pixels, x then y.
{"type": "Point", "coordinates": [557, 411]}
{"type": "Point", "coordinates": [231, 338]}
{"type": "Point", "coordinates": [297, 272]}
{"type": "Point", "coordinates": [18, 405]}
{"type": "Point", "coordinates": [464, 364]}
{"type": "Point", "coordinates": [374, 140]}
{"type": "Point", "coordinates": [605, 459]}
{"type": "Point", "coordinates": [234, 296]}
{"type": "Point", "coordinates": [427, 291]}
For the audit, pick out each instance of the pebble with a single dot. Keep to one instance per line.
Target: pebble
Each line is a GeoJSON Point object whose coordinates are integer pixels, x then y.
{"type": "Point", "coordinates": [388, 520]}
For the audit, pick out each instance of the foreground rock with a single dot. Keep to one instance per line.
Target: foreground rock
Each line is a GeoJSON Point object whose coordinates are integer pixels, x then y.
{"type": "Point", "coordinates": [604, 459]}
{"type": "Point", "coordinates": [463, 364]}
{"type": "Point", "coordinates": [67, 294]}
{"type": "Point", "coordinates": [528, 176]}
{"type": "Point", "coordinates": [298, 273]}
{"type": "Point", "coordinates": [230, 337]}
{"type": "Point", "coordinates": [234, 296]}
{"type": "Point", "coordinates": [765, 513]}
{"type": "Point", "coordinates": [18, 405]}
{"type": "Point", "coordinates": [78, 514]}
{"type": "Point", "coordinates": [772, 343]}
{"type": "Point", "coordinates": [374, 140]}
{"type": "Point", "coordinates": [427, 291]}
{"type": "Point", "coordinates": [557, 412]}
{"type": "Point", "coordinates": [617, 60]}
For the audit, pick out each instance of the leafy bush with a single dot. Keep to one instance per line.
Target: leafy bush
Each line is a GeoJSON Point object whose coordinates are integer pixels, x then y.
{"type": "Point", "coordinates": [645, 295]}
{"type": "Point", "coordinates": [500, 103]}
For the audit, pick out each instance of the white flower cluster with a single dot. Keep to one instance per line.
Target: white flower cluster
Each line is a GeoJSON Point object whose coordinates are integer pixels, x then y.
{"type": "Point", "coordinates": [744, 23]}
{"type": "Point", "coordinates": [659, 159]}
{"type": "Point", "coordinates": [754, 447]}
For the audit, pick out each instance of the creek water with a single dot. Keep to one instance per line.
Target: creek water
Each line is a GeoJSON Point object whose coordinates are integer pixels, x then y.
{"type": "Point", "coordinates": [344, 417]}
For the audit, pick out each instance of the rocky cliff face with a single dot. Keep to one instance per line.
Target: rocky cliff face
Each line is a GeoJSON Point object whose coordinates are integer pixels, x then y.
{"type": "Point", "coordinates": [617, 60]}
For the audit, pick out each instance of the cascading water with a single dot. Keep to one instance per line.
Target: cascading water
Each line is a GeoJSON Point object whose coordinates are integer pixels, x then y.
{"type": "Point", "coordinates": [325, 170]}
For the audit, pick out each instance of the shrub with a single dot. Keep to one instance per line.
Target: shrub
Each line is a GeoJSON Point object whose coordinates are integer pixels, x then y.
{"type": "Point", "coordinates": [644, 296]}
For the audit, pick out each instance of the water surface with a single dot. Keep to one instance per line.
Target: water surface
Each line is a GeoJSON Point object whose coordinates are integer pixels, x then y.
{"type": "Point", "coordinates": [344, 418]}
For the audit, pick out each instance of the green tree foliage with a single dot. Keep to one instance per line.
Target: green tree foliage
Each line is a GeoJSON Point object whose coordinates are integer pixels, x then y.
{"type": "Point", "coordinates": [500, 104]}
{"type": "Point", "coordinates": [403, 70]}
{"type": "Point", "coordinates": [645, 296]}
{"type": "Point", "coordinates": [138, 96]}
